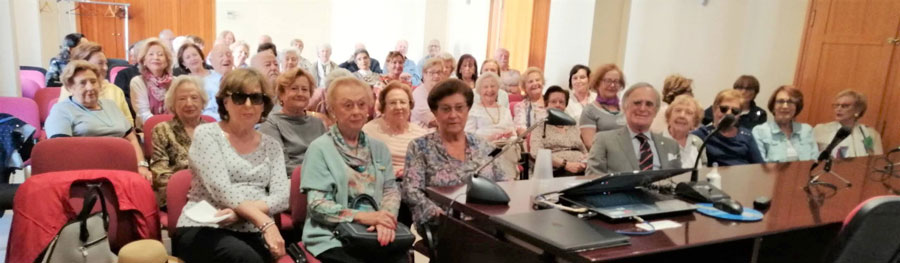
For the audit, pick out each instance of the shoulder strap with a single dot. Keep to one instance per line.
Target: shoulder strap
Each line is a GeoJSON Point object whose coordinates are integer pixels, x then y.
{"type": "Point", "coordinates": [363, 197]}
{"type": "Point", "coordinates": [89, 200]}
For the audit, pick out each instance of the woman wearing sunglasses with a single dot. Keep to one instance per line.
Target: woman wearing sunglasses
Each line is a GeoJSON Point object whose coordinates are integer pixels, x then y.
{"type": "Point", "coordinates": [241, 173]}
{"type": "Point", "coordinates": [732, 145]}
{"type": "Point", "coordinates": [849, 107]}
{"type": "Point", "coordinates": [783, 139]}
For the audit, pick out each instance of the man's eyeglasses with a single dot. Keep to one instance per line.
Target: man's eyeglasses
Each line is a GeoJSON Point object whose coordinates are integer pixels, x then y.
{"type": "Point", "coordinates": [241, 98]}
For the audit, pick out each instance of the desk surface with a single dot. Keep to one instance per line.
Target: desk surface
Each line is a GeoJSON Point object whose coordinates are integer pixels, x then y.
{"type": "Point", "coordinates": [792, 207]}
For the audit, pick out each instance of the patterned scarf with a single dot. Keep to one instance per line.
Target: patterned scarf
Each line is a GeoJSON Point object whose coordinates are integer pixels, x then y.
{"type": "Point", "coordinates": [157, 87]}
{"type": "Point", "coordinates": [358, 160]}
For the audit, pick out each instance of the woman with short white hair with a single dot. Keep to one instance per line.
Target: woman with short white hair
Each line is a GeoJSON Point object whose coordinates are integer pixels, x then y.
{"type": "Point", "coordinates": [240, 51]}
{"type": "Point", "coordinates": [172, 139]}
{"type": "Point", "coordinates": [289, 59]}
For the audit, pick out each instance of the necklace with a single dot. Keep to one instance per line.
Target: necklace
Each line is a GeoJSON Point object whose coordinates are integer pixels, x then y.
{"type": "Point", "coordinates": [493, 120]}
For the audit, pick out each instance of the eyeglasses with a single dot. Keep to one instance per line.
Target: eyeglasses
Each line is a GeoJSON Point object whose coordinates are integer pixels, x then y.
{"type": "Point", "coordinates": [841, 106]}
{"type": "Point", "coordinates": [725, 109]}
{"type": "Point", "coordinates": [434, 72]}
{"type": "Point", "coordinates": [255, 98]}
{"type": "Point", "coordinates": [785, 102]}
{"type": "Point", "coordinates": [448, 109]}
{"type": "Point", "coordinates": [611, 81]}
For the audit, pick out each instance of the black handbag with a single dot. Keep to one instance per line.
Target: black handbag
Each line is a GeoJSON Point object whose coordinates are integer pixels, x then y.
{"type": "Point", "coordinates": [354, 236]}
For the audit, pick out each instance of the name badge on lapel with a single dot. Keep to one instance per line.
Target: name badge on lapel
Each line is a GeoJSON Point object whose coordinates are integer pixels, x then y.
{"type": "Point", "coordinates": [672, 156]}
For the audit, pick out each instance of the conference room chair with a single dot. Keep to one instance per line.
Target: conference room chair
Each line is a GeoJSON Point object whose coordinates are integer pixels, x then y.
{"type": "Point", "coordinates": [25, 109]}
{"type": "Point", "coordinates": [45, 98]}
{"type": "Point", "coordinates": [297, 203]}
{"type": "Point", "coordinates": [81, 153]}
{"type": "Point", "coordinates": [35, 74]}
{"type": "Point", "coordinates": [29, 88]}
{"type": "Point", "coordinates": [152, 122]}
{"type": "Point", "coordinates": [176, 198]}
{"type": "Point", "coordinates": [124, 217]}
{"type": "Point", "coordinates": [871, 233]}
{"type": "Point", "coordinates": [114, 71]}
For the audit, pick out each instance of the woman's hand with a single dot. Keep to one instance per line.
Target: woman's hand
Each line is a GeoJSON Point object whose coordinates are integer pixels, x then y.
{"type": "Point", "coordinates": [274, 242]}
{"type": "Point", "coordinates": [383, 218]}
{"type": "Point", "coordinates": [399, 173]}
{"type": "Point", "coordinates": [385, 235]}
{"type": "Point", "coordinates": [145, 172]}
{"type": "Point", "coordinates": [231, 219]}
{"type": "Point", "coordinates": [575, 167]}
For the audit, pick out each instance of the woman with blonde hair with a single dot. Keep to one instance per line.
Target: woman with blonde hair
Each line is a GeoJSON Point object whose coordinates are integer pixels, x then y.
{"type": "Point", "coordinates": [849, 106]}
{"type": "Point", "coordinates": [604, 113]}
{"type": "Point", "coordinates": [683, 115]}
{"type": "Point", "coordinates": [148, 90]}
{"type": "Point", "coordinates": [732, 145]}
{"type": "Point", "coordinates": [532, 110]}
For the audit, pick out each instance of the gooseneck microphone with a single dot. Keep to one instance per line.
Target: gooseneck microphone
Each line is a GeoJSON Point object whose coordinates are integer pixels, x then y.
{"type": "Point", "coordinates": [825, 155]}
{"type": "Point", "coordinates": [703, 191]}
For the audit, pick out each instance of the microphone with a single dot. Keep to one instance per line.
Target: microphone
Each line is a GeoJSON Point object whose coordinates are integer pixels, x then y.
{"type": "Point", "coordinates": [841, 134]}
{"type": "Point", "coordinates": [703, 191]}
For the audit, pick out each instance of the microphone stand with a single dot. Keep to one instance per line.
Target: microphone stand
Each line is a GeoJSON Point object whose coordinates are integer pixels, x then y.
{"type": "Point", "coordinates": [814, 177]}
{"type": "Point", "coordinates": [519, 139]}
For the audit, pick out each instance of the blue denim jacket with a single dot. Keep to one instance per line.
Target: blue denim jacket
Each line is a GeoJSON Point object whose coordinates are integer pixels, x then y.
{"type": "Point", "coordinates": [772, 142]}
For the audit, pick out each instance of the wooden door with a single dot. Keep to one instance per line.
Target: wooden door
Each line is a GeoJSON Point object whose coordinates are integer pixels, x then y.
{"type": "Point", "coordinates": [99, 24]}
{"type": "Point", "coordinates": [846, 46]}
{"type": "Point", "coordinates": [890, 113]}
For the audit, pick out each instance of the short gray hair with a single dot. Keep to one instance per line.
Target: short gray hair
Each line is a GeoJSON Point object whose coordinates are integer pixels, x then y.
{"type": "Point", "coordinates": [484, 77]}
{"type": "Point", "coordinates": [177, 83]}
{"type": "Point", "coordinates": [323, 46]}
{"type": "Point", "coordinates": [637, 86]}
{"type": "Point", "coordinates": [283, 55]}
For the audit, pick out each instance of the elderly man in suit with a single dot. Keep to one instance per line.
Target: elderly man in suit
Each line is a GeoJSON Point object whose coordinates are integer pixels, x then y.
{"type": "Point", "coordinates": [634, 147]}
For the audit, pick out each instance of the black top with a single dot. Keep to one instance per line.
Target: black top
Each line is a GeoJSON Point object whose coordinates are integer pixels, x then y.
{"type": "Point", "coordinates": [374, 66]}
{"type": "Point", "coordinates": [725, 151]}
{"type": "Point", "coordinates": [756, 116]}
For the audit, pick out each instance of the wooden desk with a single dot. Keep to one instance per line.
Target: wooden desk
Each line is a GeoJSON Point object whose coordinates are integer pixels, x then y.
{"type": "Point", "coordinates": [798, 226]}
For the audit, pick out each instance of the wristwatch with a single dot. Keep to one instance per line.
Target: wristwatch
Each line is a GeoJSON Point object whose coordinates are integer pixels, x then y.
{"type": "Point", "coordinates": [143, 164]}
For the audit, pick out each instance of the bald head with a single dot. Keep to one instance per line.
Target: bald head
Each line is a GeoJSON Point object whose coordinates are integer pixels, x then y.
{"type": "Point", "coordinates": [221, 58]}
{"type": "Point", "coordinates": [359, 46]}
{"type": "Point", "coordinates": [434, 48]}
{"type": "Point", "coordinates": [265, 39]}
{"type": "Point", "coordinates": [402, 46]}
{"type": "Point", "coordinates": [266, 63]}
{"type": "Point", "coordinates": [502, 58]}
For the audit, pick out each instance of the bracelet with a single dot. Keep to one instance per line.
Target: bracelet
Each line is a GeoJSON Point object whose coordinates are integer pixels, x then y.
{"type": "Point", "coordinates": [266, 226]}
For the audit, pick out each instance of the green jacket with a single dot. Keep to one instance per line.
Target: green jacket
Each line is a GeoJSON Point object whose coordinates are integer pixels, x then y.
{"type": "Point", "coordinates": [325, 170]}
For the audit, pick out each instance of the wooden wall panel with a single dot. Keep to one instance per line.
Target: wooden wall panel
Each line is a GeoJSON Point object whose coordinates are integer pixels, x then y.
{"type": "Point", "coordinates": [148, 18]}
{"type": "Point", "coordinates": [521, 27]}
{"type": "Point", "coordinates": [540, 21]}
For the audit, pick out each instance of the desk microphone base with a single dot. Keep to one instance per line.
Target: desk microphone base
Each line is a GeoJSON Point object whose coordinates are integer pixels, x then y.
{"type": "Point", "coordinates": [700, 192]}
{"type": "Point", "coordinates": [484, 191]}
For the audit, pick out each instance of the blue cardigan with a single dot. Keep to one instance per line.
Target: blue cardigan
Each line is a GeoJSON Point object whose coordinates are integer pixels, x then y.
{"type": "Point", "coordinates": [726, 151]}
{"type": "Point", "coordinates": [324, 170]}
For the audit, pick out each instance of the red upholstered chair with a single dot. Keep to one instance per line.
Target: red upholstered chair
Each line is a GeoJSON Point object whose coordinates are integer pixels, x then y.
{"type": "Point", "coordinates": [29, 88]}
{"type": "Point", "coordinates": [515, 98]}
{"type": "Point", "coordinates": [176, 198]}
{"type": "Point", "coordinates": [45, 99]}
{"type": "Point", "coordinates": [152, 122]}
{"type": "Point", "coordinates": [82, 153]}
{"type": "Point", "coordinates": [871, 233]}
{"type": "Point", "coordinates": [297, 201]}
{"type": "Point", "coordinates": [512, 108]}
{"type": "Point", "coordinates": [23, 108]}
{"type": "Point", "coordinates": [114, 71]}
{"type": "Point", "coordinates": [33, 75]}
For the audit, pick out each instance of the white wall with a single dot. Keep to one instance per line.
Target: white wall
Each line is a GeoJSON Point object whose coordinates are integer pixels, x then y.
{"type": "Point", "coordinates": [568, 39]}
{"type": "Point", "coordinates": [716, 43]}
{"type": "Point", "coordinates": [376, 23]}
{"type": "Point", "coordinates": [9, 67]}
{"type": "Point", "coordinates": [28, 32]}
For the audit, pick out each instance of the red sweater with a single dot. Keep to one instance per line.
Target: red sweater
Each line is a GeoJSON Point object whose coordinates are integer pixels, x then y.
{"type": "Point", "coordinates": [42, 207]}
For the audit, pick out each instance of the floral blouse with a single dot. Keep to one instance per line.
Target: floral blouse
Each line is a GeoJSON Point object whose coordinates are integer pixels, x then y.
{"type": "Point", "coordinates": [429, 164]}
{"type": "Point", "coordinates": [170, 154]}
{"type": "Point", "coordinates": [564, 144]}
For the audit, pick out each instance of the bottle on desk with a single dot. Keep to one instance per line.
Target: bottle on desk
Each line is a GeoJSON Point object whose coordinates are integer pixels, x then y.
{"type": "Point", "coordinates": [714, 178]}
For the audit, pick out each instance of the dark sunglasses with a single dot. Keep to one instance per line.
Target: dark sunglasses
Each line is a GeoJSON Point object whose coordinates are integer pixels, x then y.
{"type": "Point", "coordinates": [725, 109]}
{"type": "Point", "coordinates": [255, 98]}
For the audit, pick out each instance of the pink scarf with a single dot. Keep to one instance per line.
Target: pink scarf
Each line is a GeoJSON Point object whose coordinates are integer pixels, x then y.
{"type": "Point", "coordinates": [157, 87]}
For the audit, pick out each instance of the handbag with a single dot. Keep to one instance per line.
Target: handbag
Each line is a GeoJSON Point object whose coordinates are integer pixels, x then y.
{"type": "Point", "coordinates": [355, 237]}
{"type": "Point", "coordinates": [83, 239]}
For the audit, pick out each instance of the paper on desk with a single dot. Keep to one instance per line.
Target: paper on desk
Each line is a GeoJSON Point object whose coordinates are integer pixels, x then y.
{"type": "Point", "coordinates": [203, 212]}
{"type": "Point", "coordinates": [659, 225]}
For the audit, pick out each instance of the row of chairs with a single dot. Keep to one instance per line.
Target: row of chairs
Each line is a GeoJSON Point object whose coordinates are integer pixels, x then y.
{"type": "Point", "coordinates": [33, 79]}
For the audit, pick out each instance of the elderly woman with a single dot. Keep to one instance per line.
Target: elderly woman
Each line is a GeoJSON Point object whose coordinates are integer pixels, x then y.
{"type": "Point", "coordinates": [751, 115]}
{"type": "Point", "coordinates": [467, 69]}
{"type": "Point", "coordinates": [342, 165]}
{"type": "Point", "coordinates": [191, 60]}
{"type": "Point", "coordinates": [93, 53]}
{"type": "Point", "coordinates": [393, 70]}
{"type": "Point", "coordinates": [604, 113]}
{"type": "Point", "coordinates": [172, 139]}
{"type": "Point", "coordinates": [449, 64]}
{"type": "Point", "coordinates": [784, 139]}
{"type": "Point", "coordinates": [289, 59]}
{"type": "Point", "coordinates": [393, 127]}
{"type": "Point", "coordinates": [849, 107]}
{"type": "Point", "coordinates": [492, 121]}
{"type": "Point", "coordinates": [85, 114]}
{"type": "Point", "coordinates": [490, 65]}
{"type": "Point", "coordinates": [674, 86]}
{"type": "Point", "coordinates": [240, 51]}
{"type": "Point", "coordinates": [733, 145]}
{"type": "Point", "coordinates": [433, 72]}
{"type": "Point", "coordinates": [293, 126]}
{"type": "Point", "coordinates": [683, 116]}
{"type": "Point", "coordinates": [447, 157]}
{"type": "Point", "coordinates": [361, 57]}
{"type": "Point", "coordinates": [503, 97]}
{"type": "Point", "coordinates": [149, 89]}
{"type": "Point", "coordinates": [225, 37]}
{"type": "Point", "coordinates": [531, 110]}
{"type": "Point", "coordinates": [582, 95]}
{"type": "Point", "coordinates": [240, 172]}
{"type": "Point", "coordinates": [568, 154]}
